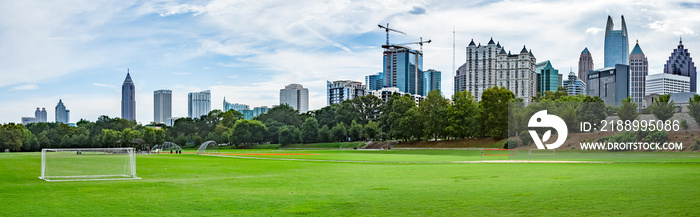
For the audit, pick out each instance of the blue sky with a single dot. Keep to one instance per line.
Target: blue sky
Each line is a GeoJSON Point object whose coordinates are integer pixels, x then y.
{"type": "Point", "coordinates": [79, 51]}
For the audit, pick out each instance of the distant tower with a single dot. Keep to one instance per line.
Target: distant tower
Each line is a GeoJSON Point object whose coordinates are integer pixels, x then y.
{"type": "Point", "coordinates": [43, 115]}
{"type": "Point", "coordinates": [62, 115]}
{"type": "Point", "coordinates": [198, 104]}
{"type": "Point", "coordinates": [680, 63]}
{"type": "Point", "coordinates": [162, 105]}
{"type": "Point", "coordinates": [639, 69]}
{"type": "Point", "coordinates": [296, 96]}
{"type": "Point", "coordinates": [40, 115]}
{"type": "Point", "coordinates": [585, 64]}
{"type": "Point", "coordinates": [128, 98]}
{"type": "Point", "coordinates": [616, 44]}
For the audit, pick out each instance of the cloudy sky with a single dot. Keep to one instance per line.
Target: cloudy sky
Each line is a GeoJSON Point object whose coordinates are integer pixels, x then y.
{"type": "Point", "coordinates": [79, 51]}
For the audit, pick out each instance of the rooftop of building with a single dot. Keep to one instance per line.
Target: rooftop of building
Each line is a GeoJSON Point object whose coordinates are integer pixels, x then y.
{"type": "Point", "coordinates": [637, 49]}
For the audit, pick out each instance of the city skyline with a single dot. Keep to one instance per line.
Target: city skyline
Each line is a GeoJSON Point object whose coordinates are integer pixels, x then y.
{"type": "Point", "coordinates": [78, 52]}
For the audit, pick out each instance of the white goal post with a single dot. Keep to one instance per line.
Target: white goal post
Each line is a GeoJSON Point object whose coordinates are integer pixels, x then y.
{"type": "Point", "coordinates": [84, 164]}
{"type": "Point", "coordinates": [542, 152]}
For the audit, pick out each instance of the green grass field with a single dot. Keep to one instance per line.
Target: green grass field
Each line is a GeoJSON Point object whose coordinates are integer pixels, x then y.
{"type": "Point", "coordinates": [194, 185]}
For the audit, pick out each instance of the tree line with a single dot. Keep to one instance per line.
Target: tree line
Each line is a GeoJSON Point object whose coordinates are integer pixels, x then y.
{"type": "Point", "coordinates": [361, 118]}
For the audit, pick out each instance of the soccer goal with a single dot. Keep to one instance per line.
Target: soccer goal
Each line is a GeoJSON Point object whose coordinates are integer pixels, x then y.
{"type": "Point", "coordinates": [539, 153]}
{"type": "Point", "coordinates": [84, 164]}
{"type": "Point", "coordinates": [497, 153]}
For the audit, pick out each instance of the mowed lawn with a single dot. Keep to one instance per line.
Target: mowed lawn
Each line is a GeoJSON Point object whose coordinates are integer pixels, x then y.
{"type": "Point", "coordinates": [192, 185]}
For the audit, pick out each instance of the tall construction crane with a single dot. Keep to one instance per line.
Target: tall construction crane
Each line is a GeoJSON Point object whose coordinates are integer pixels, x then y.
{"type": "Point", "coordinates": [387, 29]}
{"type": "Point", "coordinates": [421, 42]}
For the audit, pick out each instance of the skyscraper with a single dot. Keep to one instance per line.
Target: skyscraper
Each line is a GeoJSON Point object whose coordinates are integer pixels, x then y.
{"type": "Point", "coordinates": [339, 91]}
{"type": "Point", "coordinates": [234, 106]}
{"type": "Point", "coordinates": [375, 82]}
{"type": "Point", "coordinates": [295, 96]}
{"type": "Point", "coordinates": [432, 80]}
{"type": "Point", "coordinates": [403, 68]}
{"type": "Point", "coordinates": [680, 63]}
{"type": "Point", "coordinates": [639, 69]}
{"type": "Point", "coordinates": [547, 77]}
{"type": "Point", "coordinates": [128, 98]}
{"type": "Point", "coordinates": [62, 115]}
{"type": "Point", "coordinates": [663, 83]}
{"type": "Point", "coordinates": [488, 66]}
{"type": "Point", "coordinates": [616, 44]}
{"type": "Point", "coordinates": [162, 105]}
{"type": "Point", "coordinates": [40, 115]}
{"type": "Point", "coordinates": [574, 86]}
{"type": "Point", "coordinates": [198, 104]}
{"type": "Point", "coordinates": [610, 84]}
{"type": "Point", "coordinates": [585, 64]}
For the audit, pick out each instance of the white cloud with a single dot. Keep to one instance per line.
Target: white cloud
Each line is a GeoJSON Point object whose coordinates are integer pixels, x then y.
{"type": "Point", "coordinates": [25, 87]}
{"type": "Point", "coordinates": [594, 30]}
{"type": "Point", "coordinates": [685, 31]}
{"type": "Point", "coordinates": [104, 85]}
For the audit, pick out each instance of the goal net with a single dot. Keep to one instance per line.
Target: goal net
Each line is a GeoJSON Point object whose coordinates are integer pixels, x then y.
{"type": "Point", "coordinates": [497, 154]}
{"type": "Point", "coordinates": [537, 154]}
{"type": "Point", "coordinates": [82, 164]}
{"type": "Point", "coordinates": [209, 147]}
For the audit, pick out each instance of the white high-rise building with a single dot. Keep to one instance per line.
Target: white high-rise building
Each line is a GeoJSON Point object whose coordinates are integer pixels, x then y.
{"type": "Point", "coordinates": [295, 96]}
{"type": "Point", "coordinates": [162, 105]}
{"type": "Point", "coordinates": [339, 91]}
{"type": "Point", "coordinates": [664, 83]}
{"type": "Point", "coordinates": [490, 65]}
{"type": "Point", "coordinates": [198, 104]}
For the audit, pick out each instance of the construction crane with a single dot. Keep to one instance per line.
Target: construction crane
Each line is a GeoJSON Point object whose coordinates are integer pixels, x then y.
{"type": "Point", "coordinates": [387, 29]}
{"type": "Point", "coordinates": [421, 42]}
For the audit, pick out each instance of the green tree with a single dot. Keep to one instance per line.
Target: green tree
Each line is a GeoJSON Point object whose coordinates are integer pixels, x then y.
{"type": "Point", "coordinates": [570, 117]}
{"type": "Point", "coordinates": [355, 131]}
{"type": "Point", "coordinates": [347, 113]}
{"type": "Point", "coordinates": [289, 135]}
{"type": "Point", "coordinates": [309, 130]}
{"type": "Point", "coordinates": [663, 108]}
{"type": "Point", "coordinates": [283, 114]}
{"type": "Point", "coordinates": [339, 132]}
{"type": "Point", "coordinates": [371, 130]}
{"type": "Point", "coordinates": [591, 110]}
{"type": "Point", "coordinates": [628, 110]}
{"type": "Point", "coordinates": [127, 137]}
{"type": "Point", "coordinates": [400, 106]}
{"type": "Point", "coordinates": [248, 132]}
{"type": "Point", "coordinates": [273, 128]}
{"type": "Point", "coordinates": [462, 115]}
{"type": "Point", "coordinates": [324, 134]}
{"type": "Point", "coordinates": [694, 108]}
{"type": "Point", "coordinates": [434, 110]}
{"type": "Point", "coordinates": [153, 136]}
{"type": "Point", "coordinates": [11, 136]}
{"type": "Point", "coordinates": [494, 118]}
{"type": "Point", "coordinates": [411, 125]}
{"type": "Point", "coordinates": [229, 118]}
{"type": "Point", "coordinates": [109, 137]}
{"type": "Point", "coordinates": [222, 133]}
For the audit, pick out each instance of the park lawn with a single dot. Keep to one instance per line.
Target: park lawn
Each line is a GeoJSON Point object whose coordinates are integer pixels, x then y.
{"type": "Point", "coordinates": [447, 155]}
{"type": "Point", "coordinates": [194, 185]}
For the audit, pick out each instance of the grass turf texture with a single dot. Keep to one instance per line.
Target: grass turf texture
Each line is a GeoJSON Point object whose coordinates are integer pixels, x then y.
{"type": "Point", "coordinates": [187, 185]}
